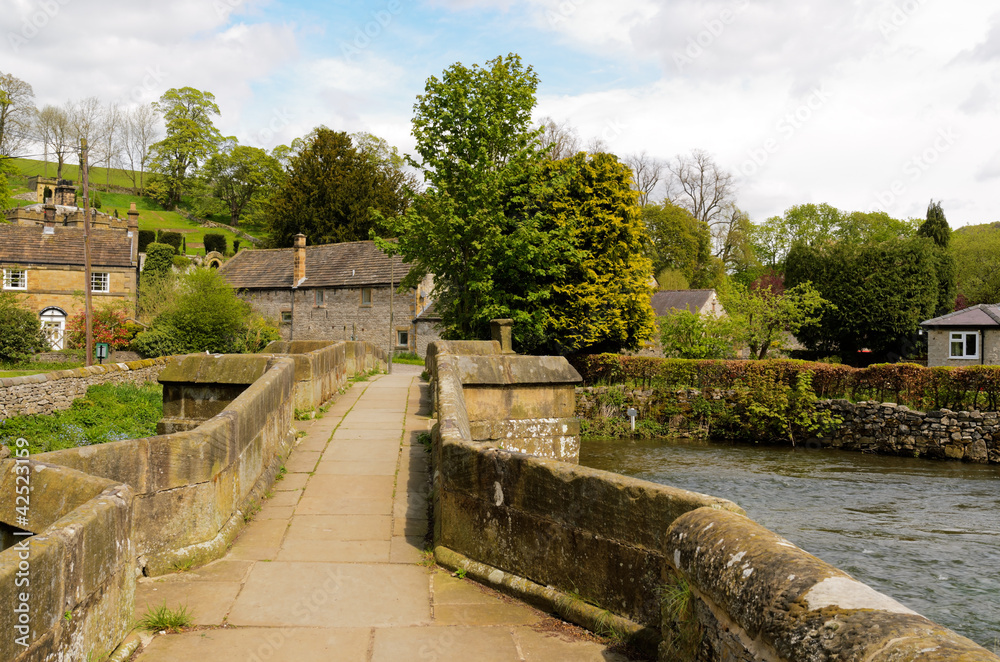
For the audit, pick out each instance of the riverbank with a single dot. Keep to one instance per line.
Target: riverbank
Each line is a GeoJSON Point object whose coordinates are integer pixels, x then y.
{"type": "Point", "coordinates": [869, 427]}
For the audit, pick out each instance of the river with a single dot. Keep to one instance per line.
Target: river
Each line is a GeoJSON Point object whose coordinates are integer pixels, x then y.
{"type": "Point", "coordinates": [925, 532]}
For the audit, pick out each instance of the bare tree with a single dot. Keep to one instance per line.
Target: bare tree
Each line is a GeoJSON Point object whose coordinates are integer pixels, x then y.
{"type": "Point", "coordinates": [139, 131]}
{"type": "Point", "coordinates": [598, 146]}
{"type": "Point", "coordinates": [561, 140]}
{"type": "Point", "coordinates": [55, 131]}
{"type": "Point", "coordinates": [85, 118]}
{"type": "Point", "coordinates": [110, 146]}
{"type": "Point", "coordinates": [17, 109]}
{"type": "Point", "coordinates": [647, 172]}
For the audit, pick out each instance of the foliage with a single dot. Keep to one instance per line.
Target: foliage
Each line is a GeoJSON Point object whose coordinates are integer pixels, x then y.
{"type": "Point", "coordinates": [687, 335]}
{"type": "Point", "coordinates": [683, 633]}
{"type": "Point", "coordinates": [767, 409]}
{"type": "Point", "coordinates": [239, 173]}
{"type": "Point", "coordinates": [170, 238]}
{"type": "Point", "coordinates": [974, 387]}
{"type": "Point", "coordinates": [936, 229]}
{"type": "Point", "coordinates": [6, 171]}
{"type": "Point", "coordinates": [204, 314]}
{"type": "Point", "coordinates": [763, 315]}
{"type": "Point", "coordinates": [181, 262]}
{"type": "Point", "coordinates": [974, 249]}
{"type": "Point", "coordinates": [108, 412]}
{"type": "Point", "coordinates": [109, 326]}
{"type": "Point", "coordinates": [20, 329]}
{"type": "Point", "coordinates": [936, 226]}
{"type": "Point", "coordinates": [17, 109]}
{"type": "Point", "coordinates": [162, 618]}
{"type": "Point", "coordinates": [190, 139]}
{"type": "Point", "coordinates": [682, 243]}
{"type": "Point", "coordinates": [555, 246]}
{"type": "Point", "coordinates": [329, 192]}
{"type": "Point", "coordinates": [215, 242]}
{"type": "Point", "coordinates": [880, 293]}
{"type": "Point", "coordinates": [159, 260]}
{"type": "Point", "coordinates": [146, 237]}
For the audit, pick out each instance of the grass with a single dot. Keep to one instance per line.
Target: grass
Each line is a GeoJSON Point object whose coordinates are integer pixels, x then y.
{"type": "Point", "coordinates": [98, 176]}
{"type": "Point", "coordinates": [162, 618]}
{"type": "Point", "coordinates": [106, 413]}
{"type": "Point", "coordinates": [409, 358]}
{"type": "Point", "coordinates": [36, 368]}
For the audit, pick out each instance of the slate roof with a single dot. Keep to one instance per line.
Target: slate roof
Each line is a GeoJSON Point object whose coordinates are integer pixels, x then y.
{"type": "Point", "coordinates": [351, 264]}
{"type": "Point", "coordinates": [985, 314]}
{"type": "Point", "coordinates": [428, 314]}
{"type": "Point", "coordinates": [691, 300]}
{"type": "Point", "coordinates": [28, 244]}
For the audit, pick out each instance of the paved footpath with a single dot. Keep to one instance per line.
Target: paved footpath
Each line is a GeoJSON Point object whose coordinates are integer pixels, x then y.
{"type": "Point", "coordinates": [331, 568]}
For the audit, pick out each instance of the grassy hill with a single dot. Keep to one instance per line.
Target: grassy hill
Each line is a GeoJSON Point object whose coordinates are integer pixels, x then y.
{"type": "Point", "coordinates": [152, 215]}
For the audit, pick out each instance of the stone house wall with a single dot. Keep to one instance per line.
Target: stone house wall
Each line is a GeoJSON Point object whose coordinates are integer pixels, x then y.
{"type": "Point", "coordinates": [938, 349]}
{"type": "Point", "coordinates": [63, 287]}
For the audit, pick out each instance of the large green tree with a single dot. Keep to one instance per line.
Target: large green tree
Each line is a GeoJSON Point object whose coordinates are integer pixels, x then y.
{"type": "Point", "coordinates": [191, 137]}
{"type": "Point", "coordinates": [680, 244]}
{"type": "Point", "coordinates": [936, 230]}
{"type": "Point", "coordinates": [557, 246]}
{"type": "Point", "coordinates": [762, 316]}
{"type": "Point", "coordinates": [881, 292]}
{"type": "Point", "coordinates": [239, 173]}
{"type": "Point", "coordinates": [329, 192]}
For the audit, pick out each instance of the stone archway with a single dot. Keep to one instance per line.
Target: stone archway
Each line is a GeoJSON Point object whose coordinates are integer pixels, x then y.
{"type": "Point", "coordinates": [214, 260]}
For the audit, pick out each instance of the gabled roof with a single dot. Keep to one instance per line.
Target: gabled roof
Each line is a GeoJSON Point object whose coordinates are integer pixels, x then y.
{"type": "Point", "coordinates": [985, 314]}
{"type": "Point", "coordinates": [28, 244]}
{"type": "Point", "coordinates": [691, 300]}
{"type": "Point", "coordinates": [351, 264]}
{"type": "Point", "coordinates": [428, 314]}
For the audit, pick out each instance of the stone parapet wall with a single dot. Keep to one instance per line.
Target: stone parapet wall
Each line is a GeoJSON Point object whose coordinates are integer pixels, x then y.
{"type": "Point", "coordinates": [322, 366]}
{"type": "Point", "coordinates": [53, 391]}
{"type": "Point", "coordinates": [686, 572]}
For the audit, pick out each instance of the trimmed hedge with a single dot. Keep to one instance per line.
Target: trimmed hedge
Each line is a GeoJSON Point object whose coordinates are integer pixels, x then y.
{"type": "Point", "coordinates": [974, 387]}
{"type": "Point", "coordinates": [215, 241]}
{"type": "Point", "coordinates": [171, 238]}
{"type": "Point", "coordinates": [146, 237]}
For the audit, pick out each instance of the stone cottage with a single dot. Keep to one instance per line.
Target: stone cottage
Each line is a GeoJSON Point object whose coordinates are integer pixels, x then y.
{"type": "Point", "coordinates": [333, 292]}
{"type": "Point", "coordinates": [965, 337]}
{"type": "Point", "coordinates": [42, 257]}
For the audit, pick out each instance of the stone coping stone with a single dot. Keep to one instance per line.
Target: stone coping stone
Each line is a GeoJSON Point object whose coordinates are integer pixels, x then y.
{"type": "Point", "coordinates": [216, 369]}
{"type": "Point", "coordinates": [510, 369]}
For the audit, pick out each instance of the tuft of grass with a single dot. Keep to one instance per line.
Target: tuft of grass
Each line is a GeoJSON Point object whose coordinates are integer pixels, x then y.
{"type": "Point", "coordinates": [251, 511]}
{"type": "Point", "coordinates": [162, 618]}
{"type": "Point", "coordinates": [183, 566]}
{"type": "Point", "coordinates": [281, 473]}
{"type": "Point", "coordinates": [427, 558]}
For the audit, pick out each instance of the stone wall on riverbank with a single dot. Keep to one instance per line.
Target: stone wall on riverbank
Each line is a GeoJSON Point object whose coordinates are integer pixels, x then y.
{"type": "Point", "coordinates": [872, 427]}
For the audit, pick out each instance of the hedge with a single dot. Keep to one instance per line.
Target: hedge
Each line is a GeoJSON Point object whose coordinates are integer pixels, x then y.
{"type": "Point", "coordinates": [171, 238]}
{"type": "Point", "coordinates": [146, 237]}
{"type": "Point", "coordinates": [215, 241]}
{"type": "Point", "coordinates": [915, 386]}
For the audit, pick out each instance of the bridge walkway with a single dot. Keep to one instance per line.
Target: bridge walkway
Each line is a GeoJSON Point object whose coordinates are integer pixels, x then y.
{"type": "Point", "coordinates": [332, 567]}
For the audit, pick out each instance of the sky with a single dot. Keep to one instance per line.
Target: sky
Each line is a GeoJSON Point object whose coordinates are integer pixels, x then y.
{"type": "Point", "coordinates": [863, 104]}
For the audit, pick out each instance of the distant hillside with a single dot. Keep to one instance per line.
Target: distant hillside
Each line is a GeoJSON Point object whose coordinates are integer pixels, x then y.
{"type": "Point", "coordinates": [99, 177]}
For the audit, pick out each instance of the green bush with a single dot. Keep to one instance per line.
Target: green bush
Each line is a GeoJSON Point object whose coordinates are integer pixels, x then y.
{"type": "Point", "coordinates": [172, 238]}
{"type": "Point", "coordinates": [181, 262]}
{"type": "Point", "coordinates": [215, 241]}
{"type": "Point", "coordinates": [20, 330]}
{"type": "Point", "coordinates": [146, 237]}
{"type": "Point", "coordinates": [159, 259]}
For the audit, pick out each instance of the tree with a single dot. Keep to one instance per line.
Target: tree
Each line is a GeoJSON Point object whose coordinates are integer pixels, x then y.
{"type": "Point", "coordinates": [936, 229]}
{"type": "Point", "coordinates": [647, 172]}
{"type": "Point", "coordinates": [111, 130]}
{"type": "Point", "coordinates": [329, 191]}
{"type": "Point", "coordinates": [475, 144]}
{"type": "Point", "coordinates": [699, 185]}
{"type": "Point", "coordinates": [687, 335]}
{"type": "Point", "coordinates": [139, 132]}
{"type": "Point", "coordinates": [6, 168]}
{"type": "Point", "coordinates": [389, 162]}
{"type": "Point", "coordinates": [557, 246]}
{"type": "Point", "coordinates": [56, 132]}
{"type": "Point", "coordinates": [680, 243]}
{"type": "Point", "coordinates": [239, 173]}
{"type": "Point", "coordinates": [86, 122]}
{"type": "Point", "coordinates": [17, 109]}
{"type": "Point", "coordinates": [763, 315]}
{"type": "Point", "coordinates": [20, 330]}
{"type": "Point", "coordinates": [205, 315]}
{"type": "Point", "coordinates": [190, 139]}
{"type": "Point", "coordinates": [936, 226]}
{"type": "Point", "coordinates": [558, 141]}
{"type": "Point", "coordinates": [880, 293]}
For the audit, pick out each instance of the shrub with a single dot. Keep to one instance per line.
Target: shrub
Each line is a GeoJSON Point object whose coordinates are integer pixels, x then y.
{"type": "Point", "coordinates": [109, 326]}
{"type": "Point", "coordinates": [172, 238]}
{"type": "Point", "coordinates": [236, 246]}
{"type": "Point", "coordinates": [20, 330]}
{"type": "Point", "coordinates": [96, 202]}
{"type": "Point", "coordinates": [181, 262]}
{"type": "Point", "coordinates": [156, 341]}
{"type": "Point", "coordinates": [146, 237]}
{"type": "Point", "coordinates": [159, 259]}
{"type": "Point", "coordinates": [215, 241]}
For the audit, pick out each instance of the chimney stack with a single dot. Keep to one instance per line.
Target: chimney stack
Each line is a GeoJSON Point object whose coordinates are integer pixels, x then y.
{"type": "Point", "coordinates": [133, 216]}
{"type": "Point", "coordinates": [50, 213]}
{"type": "Point", "coordinates": [300, 260]}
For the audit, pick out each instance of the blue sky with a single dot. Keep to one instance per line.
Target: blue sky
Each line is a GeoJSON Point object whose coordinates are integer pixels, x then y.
{"type": "Point", "coordinates": [866, 104]}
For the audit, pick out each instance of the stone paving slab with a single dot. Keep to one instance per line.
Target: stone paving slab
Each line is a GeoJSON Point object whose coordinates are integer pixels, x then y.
{"type": "Point", "coordinates": [332, 567]}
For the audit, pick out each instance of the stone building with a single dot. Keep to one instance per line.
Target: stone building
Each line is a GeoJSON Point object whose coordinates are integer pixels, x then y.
{"type": "Point", "coordinates": [965, 337]}
{"type": "Point", "coordinates": [699, 302]}
{"type": "Point", "coordinates": [42, 257]}
{"type": "Point", "coordinates": [49, 190]}
{"type": "Point", "coordinates": [333, 292]}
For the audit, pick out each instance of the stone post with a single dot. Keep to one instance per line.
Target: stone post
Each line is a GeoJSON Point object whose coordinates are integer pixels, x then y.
{"type": "Point", "coordinates": [501, 332]}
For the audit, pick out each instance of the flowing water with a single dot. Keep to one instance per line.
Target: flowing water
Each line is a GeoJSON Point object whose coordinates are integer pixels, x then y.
{"type": "Point", "coordinates": [925, 532]}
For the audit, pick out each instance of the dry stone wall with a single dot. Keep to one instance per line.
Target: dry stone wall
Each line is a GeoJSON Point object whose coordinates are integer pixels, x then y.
{"type": "Point", "coordinates": [49, 392]}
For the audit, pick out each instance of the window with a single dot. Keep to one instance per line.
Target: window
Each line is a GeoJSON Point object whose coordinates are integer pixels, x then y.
{"type": "Point", "coordinates": [319, 297]}
{"type": "Point", "coordinates": [15, 279]}
{"type": "Point", "coordinates": [964, 345]}
{"type": "Point", "coordinates": [100, 282]}
{"type": "Point", "coordinates": [402, 338]}
{"type": "Point", "coordinates": [366, 296]}
{"type": "Point", "coordinates": [286, 317]}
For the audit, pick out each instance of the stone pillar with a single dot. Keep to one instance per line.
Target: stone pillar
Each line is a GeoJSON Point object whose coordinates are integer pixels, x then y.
{"type": "Point", "coordinates": [300, 260]}
{"type": "Point", "coordinates": [500, 330]}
